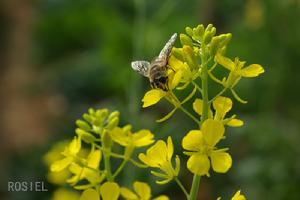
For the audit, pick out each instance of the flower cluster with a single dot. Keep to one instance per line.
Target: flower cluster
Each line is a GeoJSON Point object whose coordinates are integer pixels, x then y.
{"type": "Point", "coordinates": [85, 162]}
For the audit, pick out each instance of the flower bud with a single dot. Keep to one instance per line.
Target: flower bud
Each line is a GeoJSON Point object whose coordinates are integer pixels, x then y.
{"type": "Point", "coordinates": [83, 125]}
{"type": "Point", "coordinates": [186, 40]}
{"type": "Point", "coordinates": [112, 123]}
{"type": "Point", "coordinates": [85, 136]}
{"type": "Point", "coordinates": [189, 31]}
{"type": "Point", "coordinates": [106, 140]}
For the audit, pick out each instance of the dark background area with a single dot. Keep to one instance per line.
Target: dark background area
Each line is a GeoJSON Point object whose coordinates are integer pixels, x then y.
{"type": "Point", "coordinates": [60, 57]}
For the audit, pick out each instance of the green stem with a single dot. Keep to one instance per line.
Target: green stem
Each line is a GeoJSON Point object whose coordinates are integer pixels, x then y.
{"type": "Point", "coordinates": [189, 114]}
{"type": "Point", "coordinates": [219, 94]}
{"type": "Point", "coordinates": [204, 116]}
{"type": "Point", "coordinates": [182, 187]}
{"type": "Point", "coordinates": [122, 165]}
{"type": "Point", "coordinates": [107, 167]}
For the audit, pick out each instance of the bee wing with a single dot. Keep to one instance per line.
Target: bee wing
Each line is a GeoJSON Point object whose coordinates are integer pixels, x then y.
{"type": "Point", "coordinates": [141, 67]}
{"type": "Point", "coordinates": [165, 52]}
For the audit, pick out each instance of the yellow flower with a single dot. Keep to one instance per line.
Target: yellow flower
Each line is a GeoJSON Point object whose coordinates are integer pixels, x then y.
{"type": "Point", "coordinates": [237, 70]}
{"type": "Point", "coordinates": [160, 156]}
{"type": "Point", "coordinates": [69, 153]}
{"type": "Point", "coordinates": [89, 172]}
{"type": "Point", "coordinates": [126, 138]}
{"type": "Point", "coordinates": [142, 191]}
{"type": "Point", "coordinates": [221, 105]}
{"type": "Point", "coordinates": [108, 191]}
{"type": "Point", "coordinates": [63, 194]}
{"type": "Point", "coordinates": [153, 96]}
{"type": "Point", "coordinates": [201, 147]}
{"type": "Point", "coordinates": [238, 196]}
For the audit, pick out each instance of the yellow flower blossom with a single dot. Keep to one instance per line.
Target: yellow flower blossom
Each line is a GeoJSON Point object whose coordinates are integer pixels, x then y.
{"type": "Point", "coordinates": [69, 153]}
{"type": "Point", "coordinates": [129, 140]}
{"type": "Point", "coordinates": [237, 70]}
{"type": "Point", "coordinates": [202, 150]}
{"type": "Point", "coordinates": [63, 194]}
{"type": "Point", "coordinates": [238, 196]}
{"type": "Point", "coordinates": [108, 191]}
{"type": "Point", "coordinates": [153, 96]}
{"type": "Point", "coordinates": [221, 105]}
{"type": "Point", "coordinates": [142, 191]}
{"type": "Point", "coordinates": [89, 172]}
{"type": "Point", "coordinates": [160, 156]}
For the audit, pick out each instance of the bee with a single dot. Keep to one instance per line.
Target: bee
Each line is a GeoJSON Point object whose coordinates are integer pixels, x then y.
{"type": "Point", "coordinates": [156, 71]}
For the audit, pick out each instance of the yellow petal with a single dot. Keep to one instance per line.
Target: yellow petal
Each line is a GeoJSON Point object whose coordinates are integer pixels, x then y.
{"type": "Point", "coordinates": [197, 106]}
{"type": "Point", "coordinates": [235, 123]}
{"type": "Point", "coordinates": [252, 70]}
{"type": "Point", "coordinates": [62, 194]}
{"type": "Point", "coordinates": [127, 194]}
{"type": "Point", "coordinates": [142, 138]}
{"type": "Point", "coordinates": [75, 146]}
{"type": "Point", "coordinates": [155, 155]}
{"type": "Point", "coordinates": [170, 148]}
{"type": "Point", "coordinates": [238, 196]}
{"type": "Point", "coordinates": [152, 97]}
{"type": "Point", "coordinates": [212, 131]}
{"type": "Point", "coordinates": [225, 62]}
{"type": "Point", "coordinates": [162, 197]}
{"type": "Point", "coordinates": [174, 81]}
{"type": "Point", "coordinates": [193, 140]}
{"type": "Point", "coordinates": [142, 189]}
{"type": "Point", "coordinates": [110, 191]}
{"type": "Point", "coordinates": [222, 104]}
{"type": "Point", "coordinates": [119, 136]}
{"type": "Point", "coordinates": [220, 161]}
{"type": "Point", "coordinates": [94, 159]}
{"type": "Point", "coordinates": [61, 164]}
{"type": "Point", "coordinates": [90, 194]}
{"type": "Point", "coordinates": [175, 63]}
{"type": "Point", "coordinates": [198, 164]}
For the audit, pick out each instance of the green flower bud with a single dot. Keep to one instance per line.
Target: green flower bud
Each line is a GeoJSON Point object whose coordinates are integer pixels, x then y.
{"type": "Point", "coordinates": [83, 125]}
{"type": "Point", "coordinates": [209, 28]}
{"type": "Point", "coordinates": [106, 139]}
{"type": "Point", "coordinates": [198, 32]}
{"type": "Point", "coordinates": [213, 31]}
{"type": "Point", "coordinates": [112, 123]}
{"type": "Point", "coordinates": [189, 31]}
{"type": "Point", "coordinates": [207, 37]}
{"type": "Point", "coordinates": [113, 115]}
{"type": "Point", "coordinates": [91, 111]}
{"type": "Point", "coordinates": [87, 118]}
{"type": "Point", "coordinates": [85, 136]}
{"type": "Point", "coordinates": [185, 40]}
{"type": "Point", "coordinates": [178, 53]}
{"type": "Point", "coordinates": [214, 45]}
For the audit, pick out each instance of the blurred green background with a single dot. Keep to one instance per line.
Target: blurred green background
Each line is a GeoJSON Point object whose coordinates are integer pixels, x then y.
{"type": "Point", "coordinates": [60, 57]}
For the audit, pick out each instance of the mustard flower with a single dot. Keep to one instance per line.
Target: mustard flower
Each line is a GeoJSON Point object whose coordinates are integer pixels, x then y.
{"type": "Point", "coordinates": [89, 172]}
{"type": "Point", "coordinates": [142, 191]}
{"type": "Point", "coordinates": [237, 70]}
{"type": "Point", "coordinates": [153, 96]}
{"type": "Point", "coordinates": [70, 155]}
{"type": "Point", "coordinates": [222, 105]}
{"type": "Point", "coordinates": [108, 191]}
{"type": "Point", "coordinates": [236, 196]}
{"type": "Point", "coordinates": [160, 156]}
{"type": "Point", "coordinates": [202, 151]}
{"type": "Point", "coordinates": [129, 140]}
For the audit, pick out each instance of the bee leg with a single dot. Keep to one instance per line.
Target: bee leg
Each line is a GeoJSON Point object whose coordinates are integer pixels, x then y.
{"type": "Point", "coordinates": [169, 67]}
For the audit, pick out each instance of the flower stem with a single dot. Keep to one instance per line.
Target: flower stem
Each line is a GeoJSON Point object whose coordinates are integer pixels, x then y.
{"type": "Point", "coordinates": [204, 116]}
{"type": "Point", "coordinates": [107, 167]}
{"type": "Point", "coordinates": [182, 187]}
{"type": "Point", "coordinates": [122, 165]}
{"type": "Point", "coordinates": [189, 114]}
